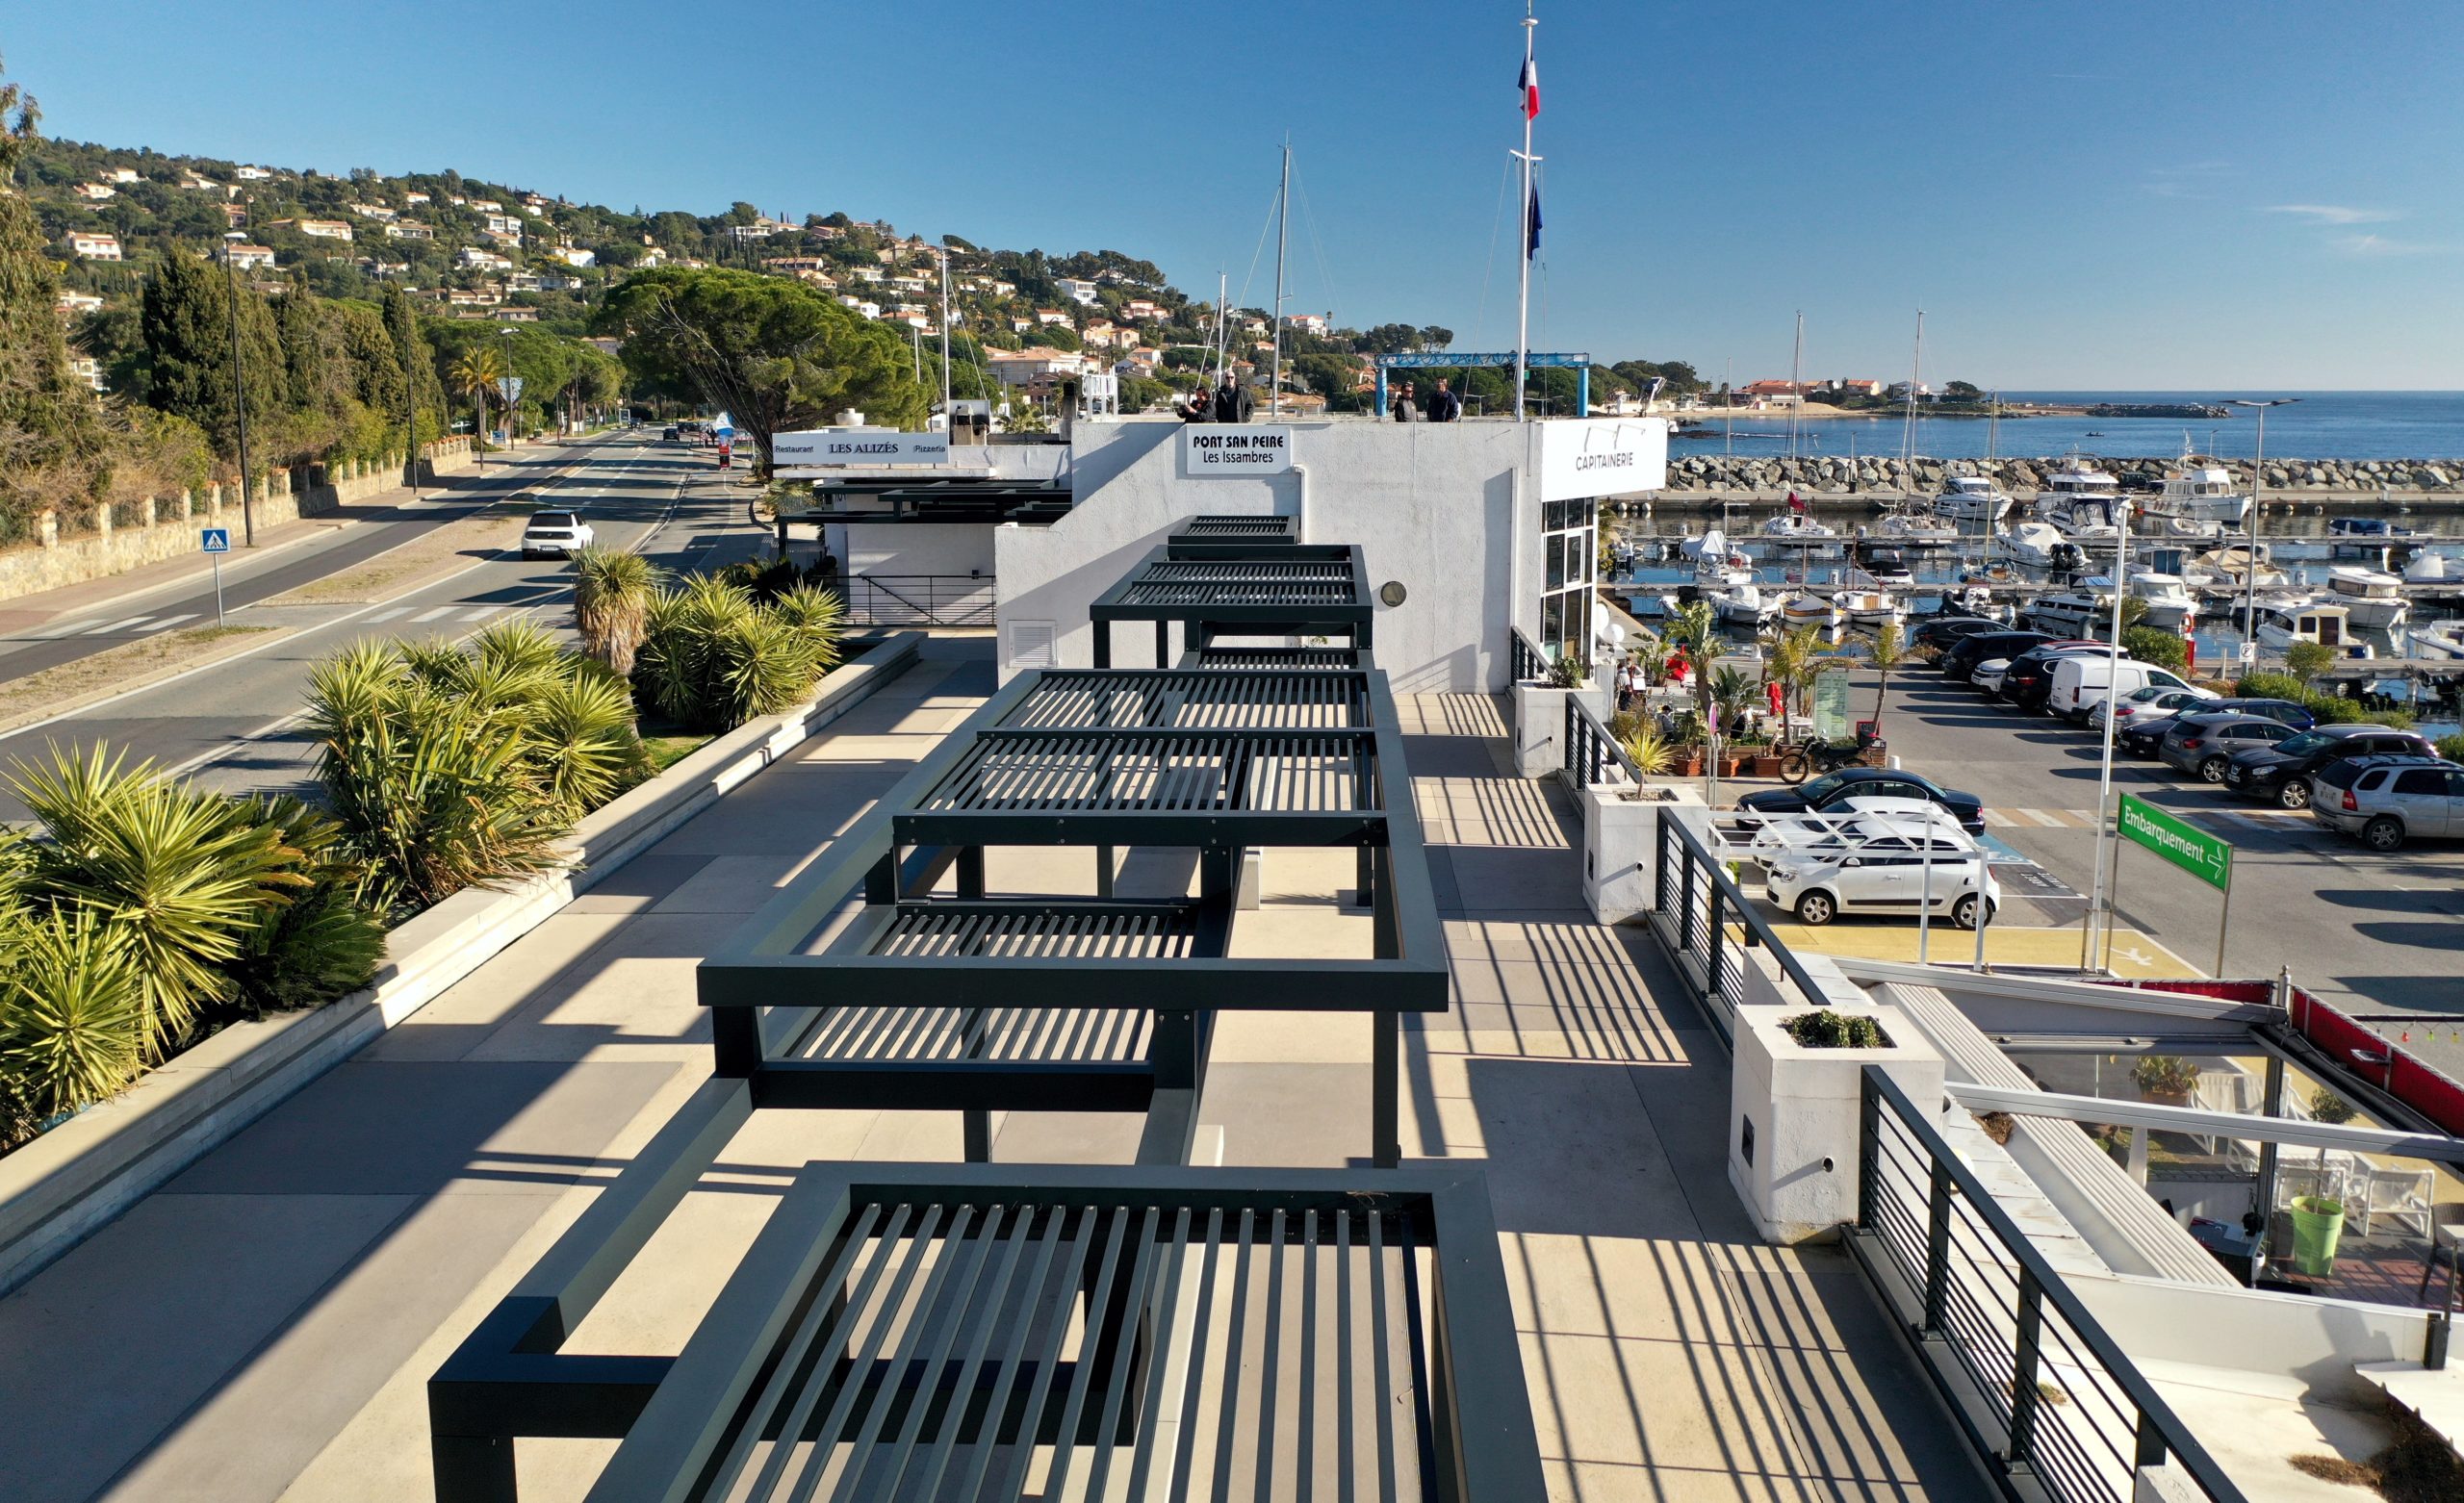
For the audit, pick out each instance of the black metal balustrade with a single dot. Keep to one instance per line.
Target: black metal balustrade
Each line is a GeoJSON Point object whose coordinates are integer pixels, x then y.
{"type": "Point", "coordinates": [1592, 750]}
{"type": "Point", "coordinates": [921, 601]}
{"type": "Point", "coordinates": [2043, 1392]}
{"type": "Point", "coordinates": [1524, 661]}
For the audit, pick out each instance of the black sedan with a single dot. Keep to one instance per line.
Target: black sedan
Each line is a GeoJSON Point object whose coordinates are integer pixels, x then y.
{"type": "Point", "coordinates": [1830, 794]}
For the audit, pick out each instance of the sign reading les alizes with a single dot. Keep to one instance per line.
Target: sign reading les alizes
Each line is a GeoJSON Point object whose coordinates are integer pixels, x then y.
{"type": "Point", "coordinates": [1235, 449]}
{"type": "Point", "coordinates": [857, 447]}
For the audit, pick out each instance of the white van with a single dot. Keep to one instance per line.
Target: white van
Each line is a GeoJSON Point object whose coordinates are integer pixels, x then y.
{"type": "Point", "coordinates": [2079, 682]}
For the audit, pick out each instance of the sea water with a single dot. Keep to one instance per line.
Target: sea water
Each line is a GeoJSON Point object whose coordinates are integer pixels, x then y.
{"type": "Point", "coordinates": [2321, 425]}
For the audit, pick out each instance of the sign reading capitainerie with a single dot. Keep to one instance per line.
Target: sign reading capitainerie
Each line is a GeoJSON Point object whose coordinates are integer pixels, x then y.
{"type": "Point", "coordinates": [843, 446]}
{"type": "Point", "coordinates": [1581, 458]}
{"type": "Point", "coordinates": [1210, 449]}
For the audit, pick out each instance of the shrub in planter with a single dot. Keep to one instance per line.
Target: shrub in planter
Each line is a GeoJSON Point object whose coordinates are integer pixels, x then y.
{"type": "Point", "coordinates": [2165, 1078]}
{"type": "Point", "coordinates": [1567, 672]}
{"type": "Point", "coordinates": [711, 659]}
{"type": "Point", "coordinates": [1824, 1029]}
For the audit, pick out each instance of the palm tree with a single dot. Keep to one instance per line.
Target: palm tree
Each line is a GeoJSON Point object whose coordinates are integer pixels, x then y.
{"type": "Point", "coordinates": [1891, 647]}
{"type": "Point", "coordinates": [475, 372]}
{"type": "Point", "coordinates": [612, 601]}
{"type": "Point", "coordinates": [1787, 661]}
{"type": "Point", "coordinates": [1694, 629]}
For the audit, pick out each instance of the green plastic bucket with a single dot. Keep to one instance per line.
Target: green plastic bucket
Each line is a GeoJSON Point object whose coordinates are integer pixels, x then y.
{"type": "Point", "coordinates": [2317, 1223]}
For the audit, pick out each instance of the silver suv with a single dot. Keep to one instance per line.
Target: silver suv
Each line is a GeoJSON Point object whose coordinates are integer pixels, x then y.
{"type": "Point", "coordinates": [2389, 800]}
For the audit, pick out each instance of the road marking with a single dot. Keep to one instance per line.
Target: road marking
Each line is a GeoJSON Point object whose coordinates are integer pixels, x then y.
{"type": "Point", "coordinates": [117, 626]}
{"type": "Point", "coordinates": [389, 614]}
{"type": "Point", "coordinates": [166, 623]}
{"type": "Point", "coordinates": [71, 629]}
{"type": "Point", "coordinates": [483, 613]}
{"type": "Point", "coordinates": [437, 614]}
{"type": "Point", "coordinates": [2041, 817]}
{"type": "Point", "coordinates": [1998, 819]}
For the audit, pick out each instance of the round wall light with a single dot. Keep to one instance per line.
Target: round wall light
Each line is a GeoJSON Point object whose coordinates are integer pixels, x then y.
{"type": "Point", "coordinates": [1391, 592]}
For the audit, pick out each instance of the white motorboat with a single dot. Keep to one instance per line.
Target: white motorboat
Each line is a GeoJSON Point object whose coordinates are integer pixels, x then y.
{"type": "Point", "coordinates": [1868, 608]}
{"type": "Point", "coordinates": [2202, 493]}
{"type": "Point", "coordinates": [1746, 604]}
{"type": "Point", "coordinates": [2283, 623]}
{"type": "Point", "coordinates": [2373, 600]}
{"type": "Point", "coordinates": [2083, 502]}
{"type": "Point", "coordinates": [2232, 566]}
{"type": "Point", "coordinates": [1971, 498]}
{"type": "Point", "coordinates": [2039, 543]}
{"type": "Point", "coordinates": [2428, 567]}
{"type": "Point", "coordinates": [1715, 572]}
{"type": "Point", "coordinates": [1917, 528]}
{"type": "Point", "coordinates": [2427, 642]}
{"type": "Point", "coordinates": [2170, 604]}
{"type": "Point", "coordinates": [2070, 613]}
{"type": "Point", "coordinates": [1796, 526]}
{"type": "Point", "coordinates": [1809, 610]}
{"type": "Point", "coordinates": [1712, 543]}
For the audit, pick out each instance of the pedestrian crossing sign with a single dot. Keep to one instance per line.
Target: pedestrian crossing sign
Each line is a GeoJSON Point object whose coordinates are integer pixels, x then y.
{"type": "Point", "coordinates": [218, 539]}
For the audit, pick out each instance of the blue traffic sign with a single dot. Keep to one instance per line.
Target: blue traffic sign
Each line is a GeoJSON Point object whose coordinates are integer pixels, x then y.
{"type": "Point", "coordinates": [218, 539]}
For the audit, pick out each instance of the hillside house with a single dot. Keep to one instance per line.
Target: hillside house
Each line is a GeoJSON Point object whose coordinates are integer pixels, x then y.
{"type": "Point", "coordinates": [652, 255]}
{"type": "Point", "coordinates": [1140, 310]}
{"type": "Point", "coordinates": [521, 281]}
{"type": "Point", "coordinates": [1309, 322]}
{"type": "Point", "coordinates": [92, 246]}
{"type": "Point", "coordinates": [575, 255]}
{"type": "Point", "coordinates": [409, 229]}
{"type": "Point", "coordinates": [315, 229]}
{"type": "Point", "coordinates": [121, 175]}
{"type": "Point", "coordinates": [473, 296]}
{"type": "Point", "coordinates": [377, 211]}
{"type": "Point", "coordinates": [1026, 366]}
{"type": "Point", "coordinates": [94, 193]}
{"type": "Point", "coordinates": [515, 315]}
{"type": "Point", "coordinates": [250, 258]}
{"type": "Point", "coordinates": [1078, 291]}
{"type": "Point", "coordinates": [252, 174]}
{"type": "Point", "coordinates": [1048, 316]}
{"type": "Point", "coordinates": [1101, 333]}
{"type": "Point", "coordinates": [89, 370]}
{"type": "Point", "coordinates": [484, 206]}
{"type": "Point", "coordinates": [1005, 289]}
{"type": "Point", "coordinates": [502, 226]}
{"type": "Point", "coordinates": [476, 257]}
{"type": "Point", "coordinates": [78, 303]}
{"type": "Point", "coordinates": [198, 183]}
{"type": "Point", "coordinates": [234, 215]}
{"type": "Point", "coordinates": [416, 198]}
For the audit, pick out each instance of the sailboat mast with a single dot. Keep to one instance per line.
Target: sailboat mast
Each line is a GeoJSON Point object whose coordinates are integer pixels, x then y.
{"type": "Point", "coordinates": [945, 342]}
{"type": "Point", "coordinates": [1223, 321]}
{"type": "Point", "coordinates": [1907, 433]}
{"type": "Point", "coordinates": [1282, 239]}
{"type": "Point", "coordinates": [1523, 294]}
{"type": "Point", "coordinates": [1796, 384]}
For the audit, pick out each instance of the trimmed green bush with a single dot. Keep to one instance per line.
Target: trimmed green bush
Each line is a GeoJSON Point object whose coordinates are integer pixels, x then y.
{"type": "Point", "coordinates": [2452, 748]}
{"type": "Point", "coordinates": [2155, 645]}
{"type": "Point", "coordinates": [2330, 709]}
{"type": "Point", "coordinates": [712, 658]}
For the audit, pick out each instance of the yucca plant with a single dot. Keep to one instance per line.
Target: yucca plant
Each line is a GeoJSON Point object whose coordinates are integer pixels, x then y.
{"type": "Point", "coordinates": [1652, 753]}
{"type": "Point", "coordinates": [72, 1016]}
{"type": "Point", "coordinates": [611, 602]}
{"type": "Point", "coordinates": [322, 943]}
{"type": "Point", "coordinates": [182, 875]}
{"type": "Point", "coordinates": [582, 746]}
{"type": "Point", "coordinates": [712, 659]}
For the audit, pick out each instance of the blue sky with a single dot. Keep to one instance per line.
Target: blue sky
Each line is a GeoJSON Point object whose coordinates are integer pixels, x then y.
{"type": "Point", "coordinates": [2094, 195]}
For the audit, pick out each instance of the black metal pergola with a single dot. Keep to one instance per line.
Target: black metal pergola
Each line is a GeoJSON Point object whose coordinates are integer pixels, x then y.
{"type": "Point", "coordinates": [917, 499]}
{"type": "Point", "coordinates": [1239, 590]}
{"type": "Point", "coordinates": [872, 981]}
{"type": "Point", "coordinates": [1220, 527]}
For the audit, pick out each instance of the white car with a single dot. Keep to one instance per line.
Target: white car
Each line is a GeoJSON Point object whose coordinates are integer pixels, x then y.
{"type": "Point", "coordinates": [2153, 700]}
{"type": "Point", "coordinates": [1881, 865]}
{"type": "Point", "coordinates": [1779, 836]}
{"type": "Point", "coordinates": [1987, 678]}
{"type": "Point", "coordinates": [555, 535]}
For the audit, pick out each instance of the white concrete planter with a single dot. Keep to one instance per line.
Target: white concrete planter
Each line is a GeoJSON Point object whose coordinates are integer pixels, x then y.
{"type": "Point", "coordinates": [1621, 844]}
{"type": "Point", "coordinates": [1540, 725]}
{"type": "Point", "coordinates": [62, 1186]}
{"type": "Point", "coordinates": [1793, 1148]}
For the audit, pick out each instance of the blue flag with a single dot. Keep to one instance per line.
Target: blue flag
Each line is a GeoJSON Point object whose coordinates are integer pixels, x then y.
{"type": "Point", "coordinates": [1531, 224]}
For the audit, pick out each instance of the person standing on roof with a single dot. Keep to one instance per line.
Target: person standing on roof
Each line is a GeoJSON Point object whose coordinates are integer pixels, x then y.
{"type": "Point", "coordinates": [1444, 406]}
{"type": "Point", "coordinates": [1233, 402]}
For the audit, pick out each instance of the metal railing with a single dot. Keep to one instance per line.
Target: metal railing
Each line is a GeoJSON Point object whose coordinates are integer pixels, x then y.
{"type": "Point", "coordinates": [1592, 750]}
{"type": "Point", "coordinates": [2044, 1393]}
{"type": "Point", "coordinates": [920, 600]}
{"type": "Point", "coordinates": [1695, 905]}
{"type": "Point", "coordinates": [1524, 659]}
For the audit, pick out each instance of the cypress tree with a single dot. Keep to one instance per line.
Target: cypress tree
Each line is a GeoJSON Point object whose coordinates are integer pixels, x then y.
{"type": "Point", "coordinates": [402, 332]}
{"type": "Point", "coordinates": [52, 444]}
{"type": "Point", "coordinates": [186, 322]}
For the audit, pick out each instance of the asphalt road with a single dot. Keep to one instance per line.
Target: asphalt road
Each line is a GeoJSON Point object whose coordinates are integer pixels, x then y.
{"type": "Point", "coordinates": [247, 578]}
{"type": "Point", "coordinates": [2374, 933]}
{"type": "Point", "coordinates": [230, 726]}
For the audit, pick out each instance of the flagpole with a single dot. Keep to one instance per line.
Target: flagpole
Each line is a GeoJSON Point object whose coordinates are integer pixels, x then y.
{"type": "Point", "coordinates": [1523, 299]}
{"type": "Point", "coordinates": [1282, 239]}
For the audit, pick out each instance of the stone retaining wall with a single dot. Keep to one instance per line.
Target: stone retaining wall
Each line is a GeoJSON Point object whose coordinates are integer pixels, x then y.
{"type": "Point", "coordinates": [166, 527]}
{"type": "Point", "coordinates": [1835, 477]}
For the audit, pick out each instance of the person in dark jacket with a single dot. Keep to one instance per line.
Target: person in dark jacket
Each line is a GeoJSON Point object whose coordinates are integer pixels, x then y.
{"type": "Point", "coordinates": [1233, 402]}
{"type": "Point", "coordinates": [1198, 406]}
{"type": "Point", "coordinates": [1406, 409]}
{"type": "Point", "coordinates": [1444, 406]}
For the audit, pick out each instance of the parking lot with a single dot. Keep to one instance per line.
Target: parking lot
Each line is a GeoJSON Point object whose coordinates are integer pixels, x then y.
{"type": "Point", "coordinates": [2376, 933]}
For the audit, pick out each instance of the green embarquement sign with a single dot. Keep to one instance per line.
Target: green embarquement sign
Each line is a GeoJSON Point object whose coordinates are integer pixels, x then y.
{"type": "Point", "coordinates": [2194, 849]}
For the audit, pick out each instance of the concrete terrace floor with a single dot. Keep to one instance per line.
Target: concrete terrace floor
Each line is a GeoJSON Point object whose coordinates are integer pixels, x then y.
{"type": "Point", "coordinates": [264, 1326]}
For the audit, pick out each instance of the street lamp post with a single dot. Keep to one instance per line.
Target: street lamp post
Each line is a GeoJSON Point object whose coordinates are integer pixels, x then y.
{"type": "Point", "coordinates": [239, 391]}
{"type": "Point", "coordinates": [506, 389]}
{"type": "Point", "coordinates": [2250, 560]}
{"type": "Point", "coordinates": [2100, 895]}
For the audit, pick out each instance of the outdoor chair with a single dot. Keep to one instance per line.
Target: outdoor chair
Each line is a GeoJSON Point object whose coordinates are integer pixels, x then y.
{"type": "Point", "coordinates": [2400, 1195]}
{"type": "Point", "coordinates": [2446, 1230]}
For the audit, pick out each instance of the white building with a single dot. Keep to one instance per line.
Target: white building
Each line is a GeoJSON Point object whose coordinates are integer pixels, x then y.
{"type": "Point", "coordinates": [252, 174]}
{"type": "Point", "coordinates": [1307, 322]}
{"type": "Point", "coordinates": [473, 256]}
{"type": "Point", "coordinates": [408, 229]}
{"type": "Point", "coordinates": [504, 226]}
{"type": "Point", "coordinates": [89, 370]}
{"type": "Point", "coordinates": [77, 302]}
{"type": "Point", "coordinates": [121, 175]}
{"type": "Point", "coordinates": [1077, 290]}
{"type": "Point", "coordinates": [94, 193]}
{"type": "Point", "coordinates": [92, 246]}
{"type": "Point", "coordinates": [575, 255]}
{"type": "Point", "coordinates": [250, 258]}
{"type": "Point", "coordinates": [315, 229]}
{"type": "Point", "coordinates": [377, 211]}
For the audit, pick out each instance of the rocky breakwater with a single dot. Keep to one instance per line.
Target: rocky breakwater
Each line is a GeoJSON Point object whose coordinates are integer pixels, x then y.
{"type": "Point", "coordinates": [1835, 479]}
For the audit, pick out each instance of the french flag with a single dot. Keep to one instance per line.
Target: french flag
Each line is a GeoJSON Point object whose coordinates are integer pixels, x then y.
{"type": "Point", "coordinates": [1529, 87]}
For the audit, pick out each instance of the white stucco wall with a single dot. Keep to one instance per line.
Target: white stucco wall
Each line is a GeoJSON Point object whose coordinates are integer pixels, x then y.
{"type": "Point", "coordinates": [1433, 506]}
{"type": "Point", "coordinates": [913, 547]}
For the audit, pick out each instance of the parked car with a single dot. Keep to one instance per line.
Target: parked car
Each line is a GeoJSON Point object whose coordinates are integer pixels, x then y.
{"type": "Point", "coordinates": [2387, 800]}
{"type": "Point", "coordinates": [1960, 661]}
{"type": "Point", "coordinates": [2143, 734]}
{"type": "Point", "coordinates": [2282, 772]}
{"type": "Point", "coordinates": [555, 535]}
{"type": "Point", "coordinates": [1883, 865]}
{"type": "Point", "coordinates": [1779, 836]}
{"type": "Point", "coordinates": [2030, 681]}
{"type": "Point", "coordinates": [1832, 792]}
{"type": "Point", "coordinates": [2153, 701]}
{"type": "Point", "coordinates": [2205, 744]}
{"type": "Point", "coordinates": [667, 435]}
{"type": "Point", "coordinates": [2087, 680]}
{"type": "Point", "coordinates": [1944, 630]}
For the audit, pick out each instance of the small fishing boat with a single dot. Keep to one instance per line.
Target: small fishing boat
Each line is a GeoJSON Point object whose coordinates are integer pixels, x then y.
{"type": "Point", "coordinates": [1796, 526]}
{"type": "Point", "coordinates": [1868, 608]}
{"type": "Point", "coordinates": [1809, 610]}
{"type": "Point", "coordinates": [2202, 493]}
{"type": "Point", "coordinates": [1916, 529]}
{"type": "Point", "coordinates": [2371, 598]}
{"type": "Point", "coordinates": [2283, 623]}
{"type": "Point", "coordinates": [1743, 605]}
